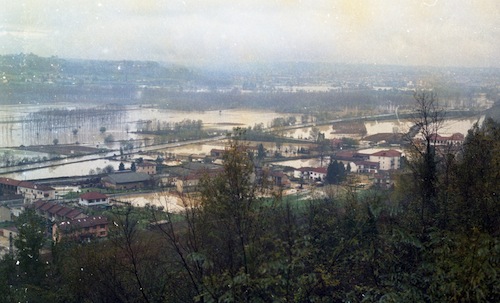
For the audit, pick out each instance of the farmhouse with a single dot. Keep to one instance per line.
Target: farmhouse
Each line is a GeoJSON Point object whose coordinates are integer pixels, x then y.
{"type": "Point", "coordinates": [81, 229]}
{"type": "Point", "coordinates": [146, 168]}
{"type": "Point", "coordinates": [29, 190]}
{"type": "Point", "coordinates": [311, 173]}
{"type": "Point", "coordinates": [93, 198]}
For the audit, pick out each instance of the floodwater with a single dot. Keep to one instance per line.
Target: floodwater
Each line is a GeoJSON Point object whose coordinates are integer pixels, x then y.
{"type": "Point", "coordinates": [18, 128]}
{"type": "Point", "coordinates": [64, 170]}
{"type": "Point", "coordinates": [168, 201]}
{"type": "Point", "coordinates": [448, 128]}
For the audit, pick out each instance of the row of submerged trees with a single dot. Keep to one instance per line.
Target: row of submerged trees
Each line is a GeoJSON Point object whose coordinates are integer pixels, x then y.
{"type": "Point", "coordinates": [170, 131]}
{"type": "Point", "coordinates": [80, 123]}
{"type": "Point", "coordinates": [237, 242]}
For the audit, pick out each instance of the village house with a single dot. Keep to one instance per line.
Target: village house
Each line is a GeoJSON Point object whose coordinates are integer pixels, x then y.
{"type": "Point", "coordinates": [387, 159]}
{"type": "Point", "coordinates": [190, 182]}
{"type": "Point", "coordinates": [187, 176]}
{"type": "Point", "coordinates": [29, 190]}
{"type": "Point", "coordinates": [8, 186]}
{"type": "Point", "coordinates": [7, 236]}
{"type": "Point", "coordinates": [311, 173]}
{"type": "Point", "coordinates": [279, 179]}
{"type": "Point", "coordinates": [56, 212]}
{"type": "Point", "coordinates": [363, 167]}
{"type": "Point", "coordinates": [453, 140]}
{"type": "Point", "coordinates": [93, 199]}
{"type": "Point", "coordinates": [187, 183]}
{"type": "Point", "coordinates": [11, 206]}
{"type": "Point", "coordinates": [32, 191]}
{"type": "Point", "coordinates": [81, 229]}
{"type": "Point", "coordinates": [5, 213]}
{"type": "Point", "coordinates": [146, 168]}
{"type": "Point", "coordinates": [217, 153]}
{"type": "Point", "coordinates": [383, 180]}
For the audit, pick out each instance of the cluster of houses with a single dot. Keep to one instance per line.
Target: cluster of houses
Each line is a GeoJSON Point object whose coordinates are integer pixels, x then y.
{"type": "Point", "coordinates": [65, 221]}
{"type": "Point", "coordinates": [62, 221]}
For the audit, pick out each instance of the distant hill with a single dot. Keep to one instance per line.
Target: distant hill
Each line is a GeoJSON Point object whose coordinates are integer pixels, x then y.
{"type": "Point", "coordinates": [27, 67]}
{"type": "Point", "coordinates": [27, 77]}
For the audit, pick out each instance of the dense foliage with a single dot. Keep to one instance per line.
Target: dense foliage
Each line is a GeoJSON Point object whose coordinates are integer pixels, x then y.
{"type": "Point", "coordinates": [235, 244]}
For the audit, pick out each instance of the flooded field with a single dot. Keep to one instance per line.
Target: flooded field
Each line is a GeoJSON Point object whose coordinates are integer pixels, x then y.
{"type": "Point", "coordinates": [70, 123]}
{"type": "Point", "coordinates": [449, 127]}
{"type": "Point", "coordinates": [163, 200]}
{"type": "Point", "coordinates": [17, 129]}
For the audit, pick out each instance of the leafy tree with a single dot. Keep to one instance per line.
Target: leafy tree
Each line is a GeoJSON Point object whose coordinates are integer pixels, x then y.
{"type": "Point", "coordinates": [28, 243]}
{"type": "Point", "coordinates": [121, 167]}
{"type": "Point", "coordinates": [335, 173]}
{"type": "Point", "coordinates": [102, 129]}
{"type": "Point", "coordinates": [261, 152]}
{"type": "Point", "coordinates": [349, 142]}
{"type": "Point", "coordinates": [109, 138]}
{"type": "Point", "coordinates": [133, 167]}
{"type": "Point", "coordinates": [476, 187]}
{"type": "Point", "coordinates": [7, 279]}
{"type": "Point", "coordinates": [55, 141]}
{"type": "Point", "coordinates": [108, 169]}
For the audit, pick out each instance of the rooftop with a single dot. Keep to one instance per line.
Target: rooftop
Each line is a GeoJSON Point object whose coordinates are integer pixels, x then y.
{"type": "Point", "coordinates": [82, 223]}
{"type": "Point", "coordinates": [93, 196]}
{"type": "Point", "coordinates": [127, 177]}
{"type": "Point", "coordinates": [387, 153]}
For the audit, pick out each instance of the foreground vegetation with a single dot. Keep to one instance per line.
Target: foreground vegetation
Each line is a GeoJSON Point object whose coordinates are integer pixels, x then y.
{"type": "Point", "coordinates": [434, 238]}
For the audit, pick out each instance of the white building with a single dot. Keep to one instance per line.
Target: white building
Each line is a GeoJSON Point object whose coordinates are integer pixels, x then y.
{"type": "Point", "coordinates": [32, 192]}
{"type": "Point", "coordinates": [387, 159]}
{"type": "Point", "coordinates": [93, 198]}
{"type": "Point", "coordinates": [311, 173]}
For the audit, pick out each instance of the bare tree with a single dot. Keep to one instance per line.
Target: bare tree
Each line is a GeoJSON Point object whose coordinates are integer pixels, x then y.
{"type": "Point", "coordinates": [428, 119]}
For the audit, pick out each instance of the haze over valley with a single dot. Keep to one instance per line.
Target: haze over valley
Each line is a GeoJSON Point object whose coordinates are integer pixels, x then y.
{"type": "Point", "coordinates": [249, 151]}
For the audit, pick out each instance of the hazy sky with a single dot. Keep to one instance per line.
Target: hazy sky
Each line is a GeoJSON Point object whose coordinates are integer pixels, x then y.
{"type": "Point", "coordinates": [407, 32]}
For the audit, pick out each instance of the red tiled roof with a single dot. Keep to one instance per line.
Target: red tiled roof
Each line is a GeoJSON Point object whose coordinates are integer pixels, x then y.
{"type": "Point", "coordinates": [46, 206]}
{"type": "Point", "coordinates": [39, 203]}
{"type": "Point", "coordinates": [57, 209]}
{"type": "Point", "coordinates": [82, 223]}
{"type": "Point", "coordinates": [303, 169]}
{"type": "Point", "coordinates": [31, 185]}
{"type": "Point", "coordinates": [454, 137]}
{"type": "Point", "coordinates": [387, 153]}
{"type": "Point", "coordinates": [321, 170]}
{"type": "Point", "coordinates": [457, 137]}
{"type": "Point", "coordinates": [73, 214]}
{"type": "Point", "coordinates": [8, 181]}
{"type": "Point", "coordinates": [93, 196]}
